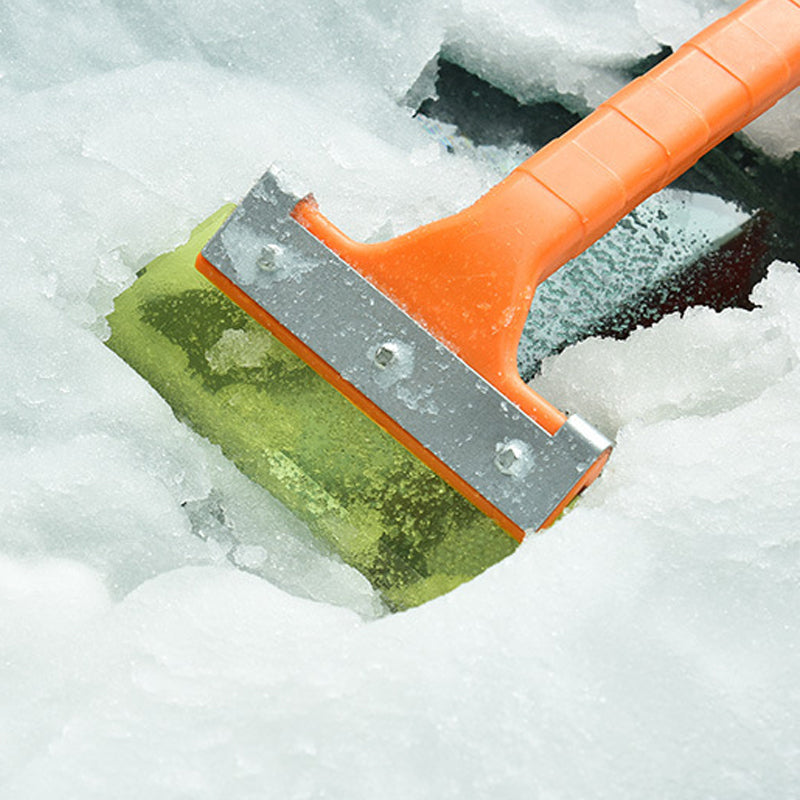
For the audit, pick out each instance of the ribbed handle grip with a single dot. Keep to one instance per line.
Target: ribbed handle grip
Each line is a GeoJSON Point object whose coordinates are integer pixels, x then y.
{"type": "Point", "coordinates": [653, 130]}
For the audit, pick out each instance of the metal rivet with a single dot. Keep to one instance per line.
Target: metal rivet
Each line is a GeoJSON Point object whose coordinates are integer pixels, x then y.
{"type": "Point", "coordinates": [513, 458]}
{"type": "Point", "coordinates": [268, 259]}
{"type": "Point", "coordinates": [385, 354]}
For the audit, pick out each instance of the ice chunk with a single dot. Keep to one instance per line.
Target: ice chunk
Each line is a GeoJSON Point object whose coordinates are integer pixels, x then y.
{"type": "Point", "coordinates": [238, 348]}
{"type": "Point", "coordinates": [536, 51]}
{"type": "Point", "coordinates": [777, 131]}
{"type": "Point", "coordinates": [747, 352]}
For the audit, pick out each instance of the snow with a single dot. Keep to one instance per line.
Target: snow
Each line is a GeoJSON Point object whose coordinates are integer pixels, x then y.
{"type": "Point", "coordinates": [648, 644]}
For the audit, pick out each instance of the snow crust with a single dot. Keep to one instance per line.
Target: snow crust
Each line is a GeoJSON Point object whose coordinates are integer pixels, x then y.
{"type": "Point", "coordinates": [647, 645]}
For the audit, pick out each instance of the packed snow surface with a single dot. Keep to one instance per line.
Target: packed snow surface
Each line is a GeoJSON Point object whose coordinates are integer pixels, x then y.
{"type": "Point", "coordinates": [647, 646]}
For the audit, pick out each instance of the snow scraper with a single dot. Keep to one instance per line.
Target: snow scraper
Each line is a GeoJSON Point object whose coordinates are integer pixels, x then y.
{"type": "Point", "coordinates": [421, 332]}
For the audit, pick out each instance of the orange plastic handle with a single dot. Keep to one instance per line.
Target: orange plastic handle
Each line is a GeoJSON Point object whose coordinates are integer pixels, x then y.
{"type": "Point", "coordinates": [652, 131]}
{"type": "Point", "coordinates": [470, 278]}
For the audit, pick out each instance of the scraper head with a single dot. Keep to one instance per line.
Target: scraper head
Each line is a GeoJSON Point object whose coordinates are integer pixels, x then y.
{"type": "Point", "coordinates": [392, 368]}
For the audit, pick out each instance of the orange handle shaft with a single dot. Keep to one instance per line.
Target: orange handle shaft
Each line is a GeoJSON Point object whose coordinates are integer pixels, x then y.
{"type": "Point", "coordinates": [654, 129]}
